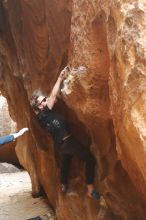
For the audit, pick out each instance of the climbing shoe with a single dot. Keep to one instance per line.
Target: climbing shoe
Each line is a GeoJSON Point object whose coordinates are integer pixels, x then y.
{"type": "Point", "coordinates": [95, 194]}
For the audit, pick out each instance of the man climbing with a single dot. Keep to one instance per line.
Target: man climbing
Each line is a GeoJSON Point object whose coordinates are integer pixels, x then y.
{"type": "Point", "coordinates": [11, 137]}
{"type": "Point", "coordinates": [64, 141]}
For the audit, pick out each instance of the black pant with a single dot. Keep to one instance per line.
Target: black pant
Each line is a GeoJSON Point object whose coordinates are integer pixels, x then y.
{"type": "Point", "coordinates": [70, 148]}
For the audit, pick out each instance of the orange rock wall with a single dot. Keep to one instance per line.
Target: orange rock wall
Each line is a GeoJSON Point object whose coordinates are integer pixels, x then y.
{"type": "Point", "coordinates": [128, 86]}
{"type": "Point", "coordinates": [103, 104]}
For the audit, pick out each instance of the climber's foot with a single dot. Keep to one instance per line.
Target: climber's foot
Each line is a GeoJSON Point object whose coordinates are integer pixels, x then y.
{"type": "Point", "coordinates": [94, 194]}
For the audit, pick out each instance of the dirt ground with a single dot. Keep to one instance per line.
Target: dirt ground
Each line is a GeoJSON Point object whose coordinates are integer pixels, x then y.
{"type": "Point", "coordinates": [16, 202]}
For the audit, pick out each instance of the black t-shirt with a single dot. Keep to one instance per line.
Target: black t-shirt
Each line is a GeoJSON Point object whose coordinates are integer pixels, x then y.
{"type": "Point", "coordinates": [54, 124]}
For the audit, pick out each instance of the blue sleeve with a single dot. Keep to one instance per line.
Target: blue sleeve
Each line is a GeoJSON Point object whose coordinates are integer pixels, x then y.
{"type": "Point", "coordinates": [6, 139]}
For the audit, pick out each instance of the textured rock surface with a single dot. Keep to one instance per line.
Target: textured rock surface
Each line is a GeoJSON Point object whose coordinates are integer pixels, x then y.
{"type": "Point", "coordinates": [8, 154]}
{"type": "Point", "coordinates": [128, 88]}
{"type": "Point", "coordinates": [106, 101]}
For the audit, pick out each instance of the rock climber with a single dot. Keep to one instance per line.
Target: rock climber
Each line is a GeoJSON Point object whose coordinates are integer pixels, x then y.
{"type": "Point", "coordinates": [64, 141]}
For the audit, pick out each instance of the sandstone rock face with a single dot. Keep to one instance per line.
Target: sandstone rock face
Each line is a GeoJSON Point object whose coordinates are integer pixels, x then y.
{"type": "Point", "coordinates": [128, 87]}
{"type": "Point", "coordinates": [103, 98]}
{"type": "Point", "coordinates": [8, 154]}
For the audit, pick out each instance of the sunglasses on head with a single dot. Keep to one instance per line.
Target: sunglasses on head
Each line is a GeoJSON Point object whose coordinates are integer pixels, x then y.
{"type": "Point", "coordinates": [43, 100]}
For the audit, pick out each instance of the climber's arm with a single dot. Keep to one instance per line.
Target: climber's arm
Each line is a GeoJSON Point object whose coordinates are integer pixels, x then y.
{"type": "Point", "coordinates": [52, 98]}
